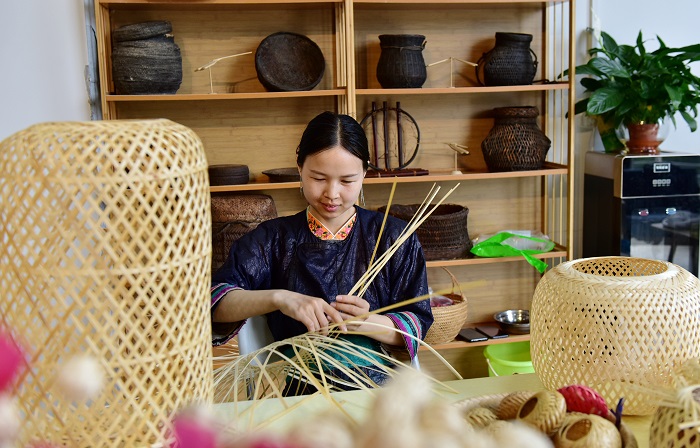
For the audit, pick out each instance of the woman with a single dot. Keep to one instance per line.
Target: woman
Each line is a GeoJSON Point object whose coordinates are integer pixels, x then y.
{"type": "Point", "coordinates": [298, 269]}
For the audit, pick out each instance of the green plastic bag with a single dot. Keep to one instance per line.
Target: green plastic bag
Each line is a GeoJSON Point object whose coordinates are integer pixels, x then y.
{"type": "Point", "coordinates": [506, 244]}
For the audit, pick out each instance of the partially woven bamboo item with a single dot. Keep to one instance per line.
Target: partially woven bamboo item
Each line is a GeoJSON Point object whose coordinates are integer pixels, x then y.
{"type": "Point", "coordinates": [677, 424]}
{"type": "Point", "coordinates": [106, 252]}
{"type": "Point", "coordinates": [448, 320]}
{"type": "Point", "coordinates": [614, 324]}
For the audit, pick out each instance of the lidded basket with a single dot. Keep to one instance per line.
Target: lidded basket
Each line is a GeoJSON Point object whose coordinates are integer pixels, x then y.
{"type": "Point", "coordinates": [510, 62]}
{"type": "Point", "coordinates": [615, 324]}
{"type": "Point", "coordinates": [401, 64]}
{"type": "Point", "coordinates": [515, 142]}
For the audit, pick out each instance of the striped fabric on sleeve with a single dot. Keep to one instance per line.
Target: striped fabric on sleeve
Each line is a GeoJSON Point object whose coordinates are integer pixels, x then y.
{"type": "Point", "coordinates": [408, 322]}
{"type": "Point", "coordinates": [222, 332]}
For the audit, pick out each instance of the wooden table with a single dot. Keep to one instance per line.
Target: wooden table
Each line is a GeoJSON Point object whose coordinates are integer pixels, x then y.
{"type": "Point", "coordinates": [271, 413]}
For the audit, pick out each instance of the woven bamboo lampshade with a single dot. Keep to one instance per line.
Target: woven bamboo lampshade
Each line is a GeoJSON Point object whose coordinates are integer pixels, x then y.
{"type": "Point", "coordinates": [617, 324]}
{"type": "Point", "coordinates": [106, 252]}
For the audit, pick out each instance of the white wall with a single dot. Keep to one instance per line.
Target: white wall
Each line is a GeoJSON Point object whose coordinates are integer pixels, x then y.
{"type": "Point", "coordinates": [43, 52]}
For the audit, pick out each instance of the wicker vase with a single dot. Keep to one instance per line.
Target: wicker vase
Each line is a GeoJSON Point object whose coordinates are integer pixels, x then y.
{"type": "Point", "coordinates": [615, 324]}
{"type": "Point", "coordinates": [106, 252]}
{"type": "Point", "coordinates": [515, 143]}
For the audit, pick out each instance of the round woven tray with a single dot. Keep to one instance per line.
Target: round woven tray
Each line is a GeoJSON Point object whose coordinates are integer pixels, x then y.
{"type": "Point", "coordinates": [448, 320]}
{"type": "Point", "coordinates": [290, 174]}
{"type": "Point", "coordinates": [444, 234]}
{"type": "Point", "coordinates": [492, 401]}
{"type": "Point", "coordinates": [289, 62]}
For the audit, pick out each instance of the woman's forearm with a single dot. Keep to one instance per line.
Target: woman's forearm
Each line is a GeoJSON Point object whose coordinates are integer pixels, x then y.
{"type": "Point", "coordinates": [373, 326]}
{"type": "Point", "coordinates": [240, 304]}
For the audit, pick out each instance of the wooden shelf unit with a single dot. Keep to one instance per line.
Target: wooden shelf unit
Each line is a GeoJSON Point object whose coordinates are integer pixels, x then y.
{"type": "Point", "coordinates": [242, 123]}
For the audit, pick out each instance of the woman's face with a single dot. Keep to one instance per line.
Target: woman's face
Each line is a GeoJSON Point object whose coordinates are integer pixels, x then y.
{"type": "Point", "coordinates": [332, 180]}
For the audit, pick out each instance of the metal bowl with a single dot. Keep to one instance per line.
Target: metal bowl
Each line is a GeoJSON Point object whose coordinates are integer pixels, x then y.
{"type": "Point", "coordinates": [514, 321]}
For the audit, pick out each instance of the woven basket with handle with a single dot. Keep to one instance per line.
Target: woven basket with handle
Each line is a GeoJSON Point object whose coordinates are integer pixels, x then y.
{"type": "Point", "coordinates": [448, 320]}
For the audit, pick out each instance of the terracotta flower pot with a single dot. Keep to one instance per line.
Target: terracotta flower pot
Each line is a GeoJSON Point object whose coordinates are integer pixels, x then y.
{"type": "Point", "coordinates": [644, 138]}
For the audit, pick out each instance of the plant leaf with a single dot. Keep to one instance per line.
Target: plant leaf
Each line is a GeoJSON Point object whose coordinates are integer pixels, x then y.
{"type": "Point", "coordinates": [609, 67]}
{"type": "Point", "coordinates": [604, 100]}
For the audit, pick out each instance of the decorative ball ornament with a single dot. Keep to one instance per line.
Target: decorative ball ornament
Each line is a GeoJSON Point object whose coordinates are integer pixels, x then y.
{"type": "Point", "coordinates": [614, 324]}
{"type": "Point", "coordinates": [106, 252]}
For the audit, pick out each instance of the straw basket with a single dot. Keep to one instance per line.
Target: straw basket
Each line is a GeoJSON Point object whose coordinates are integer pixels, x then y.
{"type": "Point", "coordinates": [615, 324]}
{"type": "Point", "coordinates": [448, 320]}
{"type": "Point", "coordinates": [107, 252]}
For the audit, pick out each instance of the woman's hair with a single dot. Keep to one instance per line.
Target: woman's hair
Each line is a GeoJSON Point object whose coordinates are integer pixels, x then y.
{"type": "Point", "coordinates": [328, 130]}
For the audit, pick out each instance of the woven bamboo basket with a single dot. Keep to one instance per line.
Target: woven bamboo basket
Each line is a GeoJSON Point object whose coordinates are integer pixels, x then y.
{"type": "Point", "coordinates": [107, 253]}
{"type": "Point", "coordinates": [615, 324]}
{"type": "Point", "coordinates": [448, 320]}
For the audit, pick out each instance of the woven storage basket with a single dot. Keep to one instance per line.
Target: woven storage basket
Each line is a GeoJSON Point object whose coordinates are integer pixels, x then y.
{"type": "Point", "coordinates": [234, 215]}
{"type": "Point", "coordinates": [444, 234]}
{"type": "Point", "coordinates": [615, 324]}
{"type": "Point", "coordinates": [107, 250]}
{"type": "Point", "coordinates": [515, 143]}
{"type": "Point", "coordinates": [448, 320]}
{"type": "Point", "coordinates": [289, 62]}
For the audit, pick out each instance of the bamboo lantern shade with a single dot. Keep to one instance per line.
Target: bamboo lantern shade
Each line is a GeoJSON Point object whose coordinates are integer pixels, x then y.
{"type": "Point", "coordinates": [106, 252]}
{"type": "Point", "coordinates": [620, 325]}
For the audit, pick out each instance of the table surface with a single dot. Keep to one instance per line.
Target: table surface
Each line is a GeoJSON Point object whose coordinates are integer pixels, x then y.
{"type": "Point", "coordinates": [280, 414]}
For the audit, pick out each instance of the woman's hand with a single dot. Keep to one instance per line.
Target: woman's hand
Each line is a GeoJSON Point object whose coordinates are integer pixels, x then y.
{"type": "Point", "coordinates": [315, 313]}
{"type": "Point", "coordinates": [350, 307]}
{"type": "Point", "coordinates": [355, 310]}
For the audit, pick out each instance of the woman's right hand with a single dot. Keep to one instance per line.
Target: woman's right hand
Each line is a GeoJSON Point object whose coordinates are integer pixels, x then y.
{"type": "Point", "coordinates": [314, 312]}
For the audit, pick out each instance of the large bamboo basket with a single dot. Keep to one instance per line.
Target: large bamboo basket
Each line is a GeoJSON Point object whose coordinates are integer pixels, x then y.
{"type": "Point", "coordinates": [106, 252]}
{"type": "Point", "coordinates": [617, 324]}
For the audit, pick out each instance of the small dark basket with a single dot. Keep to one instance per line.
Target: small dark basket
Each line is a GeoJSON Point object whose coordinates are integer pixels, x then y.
{"type": "Point", "coordinates": [288, 62]}
{"type": "Point", "coordinates": [234, 215]}
{"type": "Point", "coordinates": [515, 143]}
{"type": "Point", "coordinates": [443, 234]}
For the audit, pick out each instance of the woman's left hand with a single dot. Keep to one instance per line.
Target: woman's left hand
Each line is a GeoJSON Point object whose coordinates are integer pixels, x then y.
{"type": "Point", "coordinates": [350, 307]}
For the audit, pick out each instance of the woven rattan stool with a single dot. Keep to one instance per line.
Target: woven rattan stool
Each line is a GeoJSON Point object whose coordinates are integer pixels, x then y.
{"type": "Point", "coordinates": [617, 324]}
{"type": "Point", "coordinates": [106, 236]}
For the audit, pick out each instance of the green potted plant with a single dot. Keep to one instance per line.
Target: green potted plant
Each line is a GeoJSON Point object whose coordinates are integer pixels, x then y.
{"type": "Point", "coordinates": [633, 89]}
